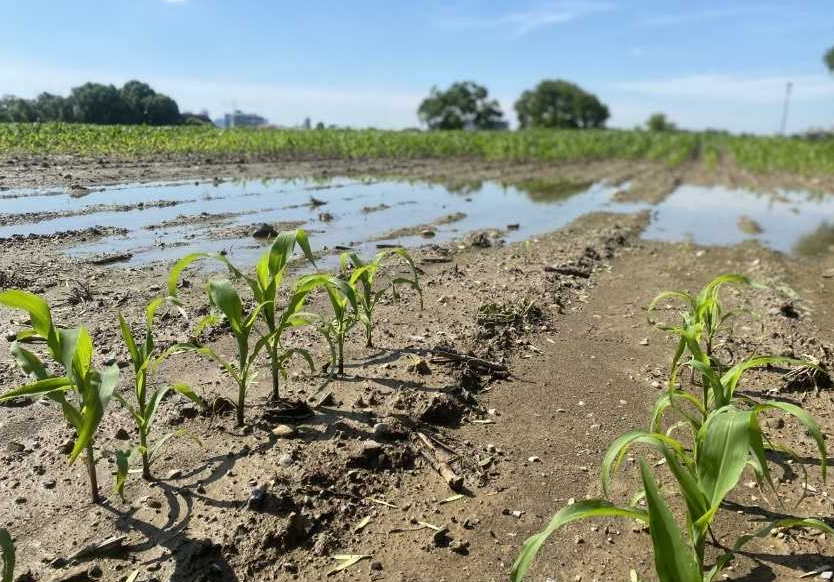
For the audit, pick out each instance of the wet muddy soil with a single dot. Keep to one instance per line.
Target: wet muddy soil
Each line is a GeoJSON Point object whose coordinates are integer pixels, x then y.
{"type": "Point", "coordinates": [572, 363]}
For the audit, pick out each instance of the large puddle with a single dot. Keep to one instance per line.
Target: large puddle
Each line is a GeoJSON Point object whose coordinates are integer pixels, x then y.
{"type": "Point", "coordinates": [166, 221]}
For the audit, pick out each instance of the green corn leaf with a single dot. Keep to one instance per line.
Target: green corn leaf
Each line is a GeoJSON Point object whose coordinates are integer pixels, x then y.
{"type": "Point", "coordinates": [224, 296]}
{"type": "Point", "coordinates": [791, 522]}
{"type": "Point", "coordinates": [28, 362]}
{"type": "Point", "coordinates": [189, 393]}
{"type": "Point", "coordinates": [757, 451]}
{"type": "Point", "coordinates": [570, 513]}
{"type": "Point", "coordinates": [674, 559]}
{"type": "Point", "coordinates": [153, 405]}
{"type": "Point", "coordinates": [36, 307]}
{"type": "Point", "coordinates": [807, 421]}
{"type": "Point", "coordinates": [179, 267]}
{"type": "Point", "coordinates": [723, 446]}
{"type": "Point", "coordinates": [122, 468]}
{"type": "Point", "coordinates": [7, 549]}
{"type": "Point", "coordinates": [39, 388]}
{"type": "Point", "coordinates": [130, 343]}
{"type": "Point", "coordinates": [618, 449]}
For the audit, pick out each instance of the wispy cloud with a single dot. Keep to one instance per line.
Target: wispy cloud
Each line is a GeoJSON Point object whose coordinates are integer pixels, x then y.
{"type": "Point", "coordinates": [738, 88]}
{"type": "Point", "coordinates": [685, 18]}
{"type": "Point", "coordinates": [523, 22]}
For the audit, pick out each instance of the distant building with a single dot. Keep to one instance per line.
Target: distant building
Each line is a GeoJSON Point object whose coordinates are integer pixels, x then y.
{"type": "Point", "coordinates": [240, 119]}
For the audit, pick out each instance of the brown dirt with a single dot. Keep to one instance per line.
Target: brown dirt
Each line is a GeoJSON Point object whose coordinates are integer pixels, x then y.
{"type": "Point", "coordinates": [581, 374]}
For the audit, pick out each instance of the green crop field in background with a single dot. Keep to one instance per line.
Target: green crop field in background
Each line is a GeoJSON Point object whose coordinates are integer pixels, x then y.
{"type": "Point", "coordinates": [761, 154]}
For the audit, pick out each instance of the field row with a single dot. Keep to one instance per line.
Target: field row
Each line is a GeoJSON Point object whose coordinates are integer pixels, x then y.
{"type": "Point", "coordinates": [761, 154]}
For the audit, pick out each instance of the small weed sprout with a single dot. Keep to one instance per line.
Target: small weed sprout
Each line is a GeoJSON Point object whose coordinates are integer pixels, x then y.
{"type": "Point", "coordinates": [142, 356]}
{"type": "Point", "coordinates": [363, 279]}
{"type": "Point", "coordinates": [90, 389]}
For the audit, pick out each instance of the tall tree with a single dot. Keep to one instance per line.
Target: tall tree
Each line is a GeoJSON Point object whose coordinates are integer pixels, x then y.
{"type": "Point", "coordinates": [560, 104]}
{"type": "Point", "coordinates": [136, 94]}
{"type": "Point", "coordinates": [101, 104]}
{"type": "Point", "coordinates": [659, 122]}
{"type": "Point", "coordinates": [49, 107]}
{"type": "Point", "coordinates": [828, 58]}
{"type": "Point", "coordinates": [462, 105]}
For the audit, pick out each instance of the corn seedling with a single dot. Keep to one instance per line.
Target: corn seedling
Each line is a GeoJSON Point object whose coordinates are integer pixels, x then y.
{"type": "Point", "coordinates": [346, 313]}
{"type": "Point", "coordinates": [8, 553]}
{"type": "Point", "coordinates": [89, 390]}
{"type": "Point", "coordinates": [703, 479]}
{"type": "Point", "coordinates": [226, 304]}
{"type": "Point", "coordinates": [269, 272]}
{"type": "Point", "coordinates": [363, 278]}
{"type": "Point", "coordinates": [142, 356]}
{"type": "Point", "coordinates": [704, 318]}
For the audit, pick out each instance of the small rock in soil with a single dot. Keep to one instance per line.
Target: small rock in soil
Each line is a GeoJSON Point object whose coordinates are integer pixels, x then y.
{"type": "Point", "coordinates": [441, 537]}
{"type": "Point", "coordinates": [460, 547]}
{"type": "Point", "coordinates": [15, 447]}
{"type": "Point", "coordinates": [285, 460]}
{"type": "Point", "coordinates": [644, 341]}
{"type": "Point", "coordinates": [174, 474]}
{"type": "Point", "coordinates": [264, 230]}
{"type": "Point", "coordinates": [420, 366]}
{"type": "Point", "coordinates": [284, 431]}
{"type": "Point", "coordinates": [382, 430]}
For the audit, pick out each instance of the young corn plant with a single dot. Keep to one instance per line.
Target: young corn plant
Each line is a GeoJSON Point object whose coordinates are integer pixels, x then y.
{"type": "Point", "coordinates": [346, 313]}
{"type": "Point", "coordinates": [82, 391]}
{"type": "Point", "coordinates": [226, 304]}
{"type": "Point", "coordinates": [144, 357]}
{"type": "Point", "coordinates": [8, 552]}
{"type": "Point", "coordinates": [265, 284]}
{"type": "Point", "coordinates": [722, 448]}
{"type": "Point", "coordinates": [704, 318]}
{"type": "Point", "coordinates": [363, 279]}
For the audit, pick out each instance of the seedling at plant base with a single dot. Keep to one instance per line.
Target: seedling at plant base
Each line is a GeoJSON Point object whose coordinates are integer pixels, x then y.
{"type": "Point", "coordinates": [144, 411]}
{"type": "Point", "coordinates": [89, 389]}
{"type": "Point", "coordinates": [722, 449]}
{"type": "Point", "coordinates": [363, 278]}
{"type": "Point", "coordinates": [269, 273]}
{"type": "Point", "coordinates": [7, 550]}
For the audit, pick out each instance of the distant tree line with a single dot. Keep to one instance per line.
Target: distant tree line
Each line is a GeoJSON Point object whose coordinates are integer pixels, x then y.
{"type": "Point", "coordinates": [551, 104]}
{"type": "Point", "coordinates": [135, 103]}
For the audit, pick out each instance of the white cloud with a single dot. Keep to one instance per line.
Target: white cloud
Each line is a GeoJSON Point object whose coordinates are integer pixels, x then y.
{"type": "Point", "coordinates": [737, 88]}
{"type": "Point", "coordinates": [523, 22]}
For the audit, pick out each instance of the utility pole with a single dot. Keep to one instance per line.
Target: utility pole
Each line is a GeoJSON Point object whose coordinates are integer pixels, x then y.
{"type": "Point", "coordinates": [785, 108]}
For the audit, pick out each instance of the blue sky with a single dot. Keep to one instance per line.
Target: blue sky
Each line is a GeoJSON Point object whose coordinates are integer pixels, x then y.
{"type": "Point", "coordinates": [370, 62]}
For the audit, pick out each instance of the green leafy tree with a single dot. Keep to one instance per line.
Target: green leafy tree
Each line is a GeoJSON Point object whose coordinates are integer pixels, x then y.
{"type": "Point", "coordinates": [462, 105]}
{"type": "Point", "coordinates": [16, 110]}
{"type": "Point", "coordinates": [560, 104]}
{"type": "Point", "coordinates": [659, 122]}
{"type": "Point", "coordinates": [102, 104]}
{"type": "Point", "coordinates": [828, 58]}
{"type": "Point", "coordinates": [135, 95]}
{"type": "Point", "coordinates": [49, 107]}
